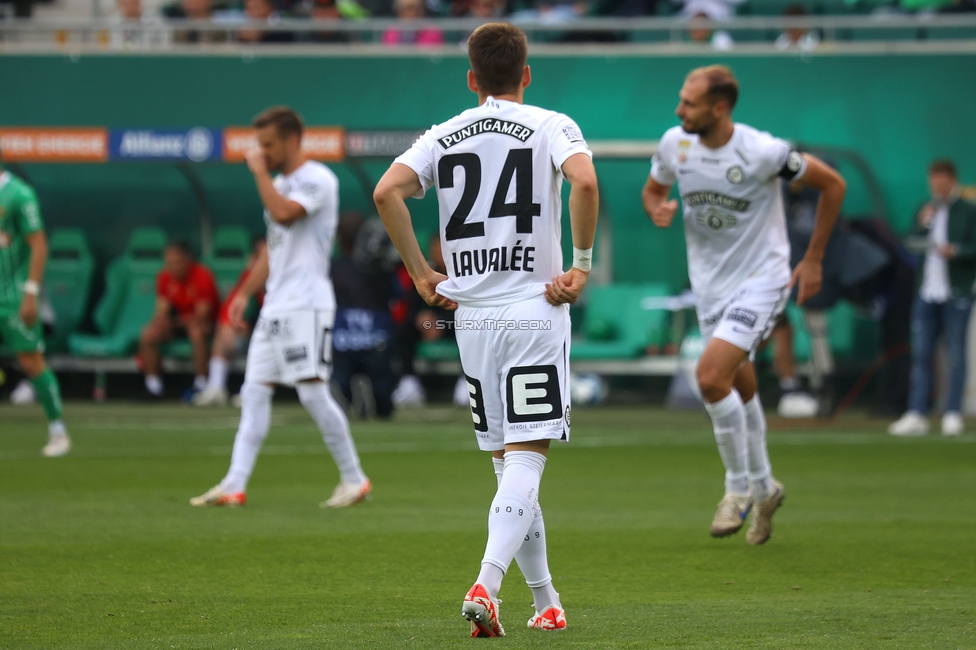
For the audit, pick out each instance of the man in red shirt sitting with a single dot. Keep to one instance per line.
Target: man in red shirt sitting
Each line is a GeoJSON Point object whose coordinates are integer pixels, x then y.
{"type": "Point", "coordinates": [186, 305]}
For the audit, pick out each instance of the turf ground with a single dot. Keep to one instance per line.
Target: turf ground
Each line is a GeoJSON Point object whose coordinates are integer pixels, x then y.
{"type": "Point", "coordinates": [875, 547]}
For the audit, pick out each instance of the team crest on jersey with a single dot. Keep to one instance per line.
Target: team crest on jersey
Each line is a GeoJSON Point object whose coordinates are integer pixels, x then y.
{"type": "Point", "coordinates": [683, 150]}
{"type": "Point", "coordinates": [487, 125]}
{"type": "Point", "coordinates": [735, 175]}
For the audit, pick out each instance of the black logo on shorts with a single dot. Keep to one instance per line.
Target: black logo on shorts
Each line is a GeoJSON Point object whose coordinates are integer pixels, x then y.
{"type": "Point", "coordinates": [296, 354]}
{"type": "Point", "coordinates": [533, 394]}
{"type": "Point", "coordinates": [744, 316]}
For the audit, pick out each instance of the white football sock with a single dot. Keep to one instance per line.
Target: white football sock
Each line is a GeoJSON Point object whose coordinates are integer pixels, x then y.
{"type": "Point", "coordinates": [253, 429]}
{"type": "Point", "coordinates": [512, 511]}
{"type": "Point", "coordinates": [154, 384]}
{"type": "Point", "coordinates": [760, 473]}
{"type": "Point", "coordinates": [199, 382]}
{"type": "Point", "coordinates": [217, 374]}
{"type": "Point", "coordinates": [531, 557]}
{"type": "Point", "coordinates": [317, 399]}
{"type": "Point", "coordinates": [56, 429]}
{"type": "Point", "coordinates": [729, 422]}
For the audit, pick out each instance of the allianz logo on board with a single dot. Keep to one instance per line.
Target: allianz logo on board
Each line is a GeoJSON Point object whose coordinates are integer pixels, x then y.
{"type": "Point", "coordinates": [196, 144]}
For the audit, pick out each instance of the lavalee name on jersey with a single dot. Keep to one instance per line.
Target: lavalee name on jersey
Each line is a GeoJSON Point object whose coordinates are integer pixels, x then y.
{"type": "Point", "coordinates": [497, 170]}
{"type": "Point", "coordinates": [735, 225]}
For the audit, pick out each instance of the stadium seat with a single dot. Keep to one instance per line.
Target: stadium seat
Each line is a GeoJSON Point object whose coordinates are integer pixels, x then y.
{"type": "Point", "coordinates": [617, 326]}
{"type": "Point", "coordinates": [438, 351]}
{"type": "Point", "coordinates": [67, 281]}
{"type": "Point", "coordinates": [129, 298]}
{"type": "Point", "coordinates": [231, 250]}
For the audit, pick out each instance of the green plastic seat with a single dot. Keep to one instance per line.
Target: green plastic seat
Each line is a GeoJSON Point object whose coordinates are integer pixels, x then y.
{"type": "Point", "coordinates": [67, 282]}
{"type": "Point", "coordinates": [231, 250]}
{"type": "Point", "coordinates": [129, 300]}
{"type": "Point", "coordinates": [617, 326]}
{"type": "Point", "coordinates": [438, 351]}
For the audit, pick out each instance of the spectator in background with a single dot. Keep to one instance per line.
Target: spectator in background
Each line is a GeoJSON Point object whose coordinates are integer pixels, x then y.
{"type": "Point", "coordinates": [701, 32]}
{"type": "Point", "coordinates": [186, 305]}
{"type": "Point", "coordinates": [195, 10]}
{"type": "Point", "coordinates": [412, 10]}
{"type": "Point", "coordinates": [553, 11]}
{"type": "Point", "coordinates": [262, 11]}
{"type": "Point", "coordinates": [712, 9]}
{"type": "Point", "coordinates": [228, 339]}
{"type": "Point", "coordinates": [133, 29]}
{"type": "Point", "coordinates": [797, 38]}
{"type": "Point", "coordinates": [326, 11]}
{"type": "Point", "coordinates": [362, 338]}
{"type": "Point", "coordinates": [945, 233]}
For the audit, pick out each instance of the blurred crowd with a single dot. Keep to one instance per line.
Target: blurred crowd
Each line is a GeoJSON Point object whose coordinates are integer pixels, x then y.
{"type": "Point", "coordinates": [138, 26]}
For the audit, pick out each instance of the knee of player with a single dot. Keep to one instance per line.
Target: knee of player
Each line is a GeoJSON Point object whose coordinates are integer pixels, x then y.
{"type": "Point", "coordinates": [711, 382]}
{"type": "Point", "coordinates": [31, 364]}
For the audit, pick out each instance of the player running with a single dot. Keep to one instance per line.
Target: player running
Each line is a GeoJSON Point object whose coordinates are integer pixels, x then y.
{"type": "Point", "coordinates": [497, 170]}
{"type": "Point", "coordinates": [739, 265]}
{"type": "Point", "coordinates": [23, 254]}
{"type": "Point", "coordinates": [292, 343]}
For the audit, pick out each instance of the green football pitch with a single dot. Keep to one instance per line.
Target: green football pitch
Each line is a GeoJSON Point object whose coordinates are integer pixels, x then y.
{"type": "Point", "coordinates": [874, 548]}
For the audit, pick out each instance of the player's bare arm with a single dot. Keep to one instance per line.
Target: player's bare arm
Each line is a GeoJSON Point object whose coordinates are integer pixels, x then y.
{"type": "Point", "coordinates": [397, 185]}
{"type": "Point", "coordinates": [809, 272]}
{"type": "Point", "coordinates": [37, 242]}
{"type": "Point", "coordinates": [253, 284]}
{"type": "Point", "coordinates": [584, 206]}
{"type": "Point", "coordinates": [282, 210]}
{"type": "Point", "coordinates": [658, 208]}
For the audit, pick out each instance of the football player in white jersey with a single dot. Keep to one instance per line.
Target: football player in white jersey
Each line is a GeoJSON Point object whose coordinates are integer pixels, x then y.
{"type": "Point", "coordinates": [739, 265]}
{"type": "Point", "coordinates": [291, 344]}
{"type": "Point", "coordinates": [497, 170]}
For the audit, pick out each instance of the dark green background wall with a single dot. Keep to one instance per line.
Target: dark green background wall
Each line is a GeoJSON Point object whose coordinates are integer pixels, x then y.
{"type": "Point", "coordinates": [898, 111]}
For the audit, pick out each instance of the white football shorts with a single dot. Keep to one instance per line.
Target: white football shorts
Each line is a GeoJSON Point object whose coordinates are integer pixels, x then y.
{"type": "Point", "coordinates": [516, 361]}
{"type": "Point", "coordinates": [290, 347]}
{"type": "Point", "coordinates": [746, 319]}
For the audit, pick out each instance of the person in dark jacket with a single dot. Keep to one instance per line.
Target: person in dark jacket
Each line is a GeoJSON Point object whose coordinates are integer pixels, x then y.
{"type": "Point", "coordinates": [944, 236]}
{"type": "Point", "coordinates": [363, 333]}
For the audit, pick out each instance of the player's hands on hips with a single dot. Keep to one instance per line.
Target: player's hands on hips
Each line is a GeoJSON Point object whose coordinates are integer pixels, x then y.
{"type": "Point", "coordinates": [566, 288]}
{"type": "Point", "coordinates": [28, 310]}
{"type": "Point", "coordinates": [235, 311]}
{"type": "Point", "coordinates": [427, 288]}
{"type": "Point", "coordinates": [664, 213]}
{"type": "Point", "coordinates": [256, 161]}
{"type": "Point", "coordinates": [808, 274]}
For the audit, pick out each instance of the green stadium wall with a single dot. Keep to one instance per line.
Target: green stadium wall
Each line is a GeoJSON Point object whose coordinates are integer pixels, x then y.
{"type": "Point", "coordinates": [897, 111]}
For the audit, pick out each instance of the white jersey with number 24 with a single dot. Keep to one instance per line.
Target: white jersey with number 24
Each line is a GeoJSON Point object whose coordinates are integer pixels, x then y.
{"type": "Point", "coordinates": [497, 172]}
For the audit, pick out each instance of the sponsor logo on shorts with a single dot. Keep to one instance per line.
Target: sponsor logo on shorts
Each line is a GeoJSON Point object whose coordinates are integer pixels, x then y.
{"type": "Point", "coordinates": [568, 413]}
{"type": "Point", "coordinates": [296, 354]}
{"type": "Point", "coordinates": [744, 316]}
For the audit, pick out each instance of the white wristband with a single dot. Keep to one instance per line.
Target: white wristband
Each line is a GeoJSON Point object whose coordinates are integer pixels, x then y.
{"type": "Point", "coordinates": [32, 288]}
{"type": "Point", "coordinates": [582, 258]}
